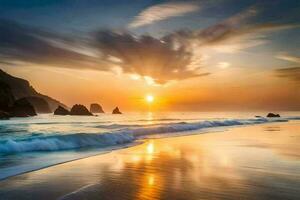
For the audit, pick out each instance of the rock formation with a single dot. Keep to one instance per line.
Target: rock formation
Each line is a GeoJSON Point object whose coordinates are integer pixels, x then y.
{"type": "Point", "coordinates": [78, 109]}
{"type": "Point", "coordinates": [61, 111]}
{"type": "Point", "coordinates": [96, 108]}
{"type": "Point", "coordinates": [22, 108]}
{"type": "Point", "coordinates": [116, 111]}
{"type": "Point", "coordinates": [4, 115]}
{"type": "Point", "coordinates": [40, 105]}
{"type": "Point", "coordinates": [273, 115]}
{"type": "Point", "coordinates": [21, 88]}
{"type": "Point", "coordinates": [6, 97]}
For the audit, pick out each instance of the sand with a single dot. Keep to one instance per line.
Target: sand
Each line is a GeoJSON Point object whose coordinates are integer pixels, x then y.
{"type": "Point", "coordinates": [253, 162]}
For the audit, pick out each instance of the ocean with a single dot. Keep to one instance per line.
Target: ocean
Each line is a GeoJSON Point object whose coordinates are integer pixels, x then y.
{"type": "Point", "coordinates": [28, 144]}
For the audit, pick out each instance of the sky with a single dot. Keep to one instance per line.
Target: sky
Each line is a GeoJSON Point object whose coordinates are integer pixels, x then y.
{"type": "Point", "coordinates": [190, 55]}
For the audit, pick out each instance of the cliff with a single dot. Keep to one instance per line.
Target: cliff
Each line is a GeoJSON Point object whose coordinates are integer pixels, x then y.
{"type": "Point", "coordinates": [21, 88]}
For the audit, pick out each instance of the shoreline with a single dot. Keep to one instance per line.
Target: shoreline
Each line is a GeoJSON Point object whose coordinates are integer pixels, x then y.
{"type": "Point", "coordinates": [142, 140]}
{"type": "Point", "coordinates": [100, 152]}
{"type": "Point", "coordinates": [203, 164]}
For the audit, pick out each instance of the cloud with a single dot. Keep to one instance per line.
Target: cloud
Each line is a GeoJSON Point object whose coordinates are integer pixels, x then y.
{"type": "Point", "coordinates": [292, 73]}
{"type": "Point", "coordinates": [285, 56]}
{"type": "Point", "coordinates": [223, 65]}
{"type": "Point", "coordinates": [146, 56]}
{"type": "Point", "coordinates": [177, 56]}
{"type": "Point", "coordinates": [180, 55]}
{"type": "Point", "coordinates": [24, 44]}
{"type": "Point", "coordinates": [155, 60]}
{"type": "Point", "coordinates": [233, 34]}
{"type": "Point", "coordinates": [163, 11]}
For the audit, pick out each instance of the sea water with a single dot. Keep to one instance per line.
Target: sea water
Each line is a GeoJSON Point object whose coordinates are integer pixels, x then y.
{"type": "Point", "coordinates": [28, 144]}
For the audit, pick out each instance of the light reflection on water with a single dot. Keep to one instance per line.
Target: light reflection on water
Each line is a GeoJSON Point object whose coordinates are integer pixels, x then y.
{"type": "Point", "coordinates": [243, 163]}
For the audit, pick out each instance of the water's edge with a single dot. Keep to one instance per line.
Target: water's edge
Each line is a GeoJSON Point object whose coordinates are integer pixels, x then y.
{"type": "Point", "coordinates": [100, 152]}
{"type": "Point", "coordinates": [117, 139]}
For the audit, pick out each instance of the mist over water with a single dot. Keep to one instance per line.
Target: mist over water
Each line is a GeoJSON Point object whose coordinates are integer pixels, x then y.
{"type": "Point", "coordinates": [28, 144]}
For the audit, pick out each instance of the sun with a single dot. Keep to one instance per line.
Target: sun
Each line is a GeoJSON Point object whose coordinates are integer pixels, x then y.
{"type": "Point", "coordinates": [149, 98]}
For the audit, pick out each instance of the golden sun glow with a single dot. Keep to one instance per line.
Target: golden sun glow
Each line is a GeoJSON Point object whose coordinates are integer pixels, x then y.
{"type": "Point", "coordinates": [149, 98]}
{"type": "Point", "coordinates": [150, 147]}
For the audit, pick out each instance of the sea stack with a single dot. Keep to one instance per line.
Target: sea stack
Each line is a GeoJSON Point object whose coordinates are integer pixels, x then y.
{"type": "Point", "coordinates": [22, 108]}
{"type": "Point", "coordinates": [61, 111]}
{"type": "Point", "coordinates": [116, 111]}
{"type": "Point", "coordinates": [79, 109]}
{"type": "Point", "coordinates": [273, 115]}
{"type": "Point", "coordinates": [96, 108]}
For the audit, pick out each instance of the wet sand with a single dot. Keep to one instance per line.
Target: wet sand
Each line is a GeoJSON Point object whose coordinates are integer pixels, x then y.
{"type": "Point", "coordinates": [254, 162]}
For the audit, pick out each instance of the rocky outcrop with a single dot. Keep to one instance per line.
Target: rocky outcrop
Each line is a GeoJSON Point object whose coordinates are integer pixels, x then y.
{"type": "Point", "coordinates": [61, 111]}
{"type": "Point", "coordinates": [53, 103]}
{"type": "Point", "coordinates": [11, 108]}
{"type": "Point", "coordinates": [78, 109]}
{"type": "Point", "coordinates": [21, 88]}
{"type": "Point", "coordinates": [6, 97]}
{"type": "Point", "coordinates": [116, 111]}
{"type": "Point", "coordinates": [4, 115]}
{"type": "Point", "coordinates": [40, 105]}
{"type": "Point", "coordinates": [273, 115]}
{"type": "Point", "coordinates": [22, 108]}
{"type": "Point", "coordinates": [96, 108]}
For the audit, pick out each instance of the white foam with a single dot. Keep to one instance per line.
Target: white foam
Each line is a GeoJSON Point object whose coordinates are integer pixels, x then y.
{"type": "Point", "coordinates": [122, 136]}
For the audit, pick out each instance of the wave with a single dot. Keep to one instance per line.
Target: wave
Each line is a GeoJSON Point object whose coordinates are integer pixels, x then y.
{"type": "Point", "coordinates": [293, 118]}
{"type": "Point", "coordinates": [192, 126]}
{"type": "Point", "coordinates": [162, 119]}
{"type": "Point", "coordinates": [64, 142]}
{"type": "Point", "coordinates": [117, 137]}
{"type": "Point", "coordinates": [119, 126]}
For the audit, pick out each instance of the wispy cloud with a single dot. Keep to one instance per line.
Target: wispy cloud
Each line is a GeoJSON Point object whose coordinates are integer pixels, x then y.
{"type": "Point", "coordinates": [24, 44]}
{"type": "Point", "coordinates": [292, 73]}
{"type": "Point", "coordinates": [223, 65]}
{"type": "Point", "coordinates": [287, 57]}
{"type": "Point", "coordinates": [233, 34]}
{"type": "Point", "coordinates": [163, 11]}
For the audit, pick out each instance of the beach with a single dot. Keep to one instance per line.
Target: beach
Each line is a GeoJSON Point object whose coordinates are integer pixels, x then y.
{"type": "Point", "coordinates": [149, 100]}
{"type": "Point", "coordinates": [248, 162]}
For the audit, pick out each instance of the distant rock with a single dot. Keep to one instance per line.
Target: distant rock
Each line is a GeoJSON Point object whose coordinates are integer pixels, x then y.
{"type": "Point", "coordinates": [258, 116]}
{"type": "Point", "coordinates": [273, 115]}
{"type": "Point", "coordinates": [4, 115]}
{"type": "Point", "coordinates": [40, 105]}
{"type": "Point", "coordinates": [61, 111]}
{"type": "Point", "coordinates": [116, 111]}
{"type": "Point", "coordinates": [96, 108]}
{"type": "Point", "coordinates": [78, 109]}
{"type": "Point", "coordinates": [22, 108]}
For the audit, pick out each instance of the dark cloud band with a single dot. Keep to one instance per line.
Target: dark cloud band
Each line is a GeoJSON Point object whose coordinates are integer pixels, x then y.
{"type": "Point", "coordinates": [292, 73]}
{"type": "Point", "coordinates": [20, 43]}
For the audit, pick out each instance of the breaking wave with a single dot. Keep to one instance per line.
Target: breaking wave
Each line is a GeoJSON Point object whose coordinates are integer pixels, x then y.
{"type": "Point", "coordinates": [125, 134]}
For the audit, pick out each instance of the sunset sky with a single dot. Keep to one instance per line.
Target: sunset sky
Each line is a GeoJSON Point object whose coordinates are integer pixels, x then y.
{"type": "Point", "coordinates": [190, 55]}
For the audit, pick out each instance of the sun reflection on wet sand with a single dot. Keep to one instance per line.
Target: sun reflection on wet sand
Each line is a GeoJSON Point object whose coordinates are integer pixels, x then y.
{"type": "Point", "coordinates": [243, 163]}
{"type": "Point", "coordinates": [150, 147]}
{"type": "Point", "coordinates": [148, 189]}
